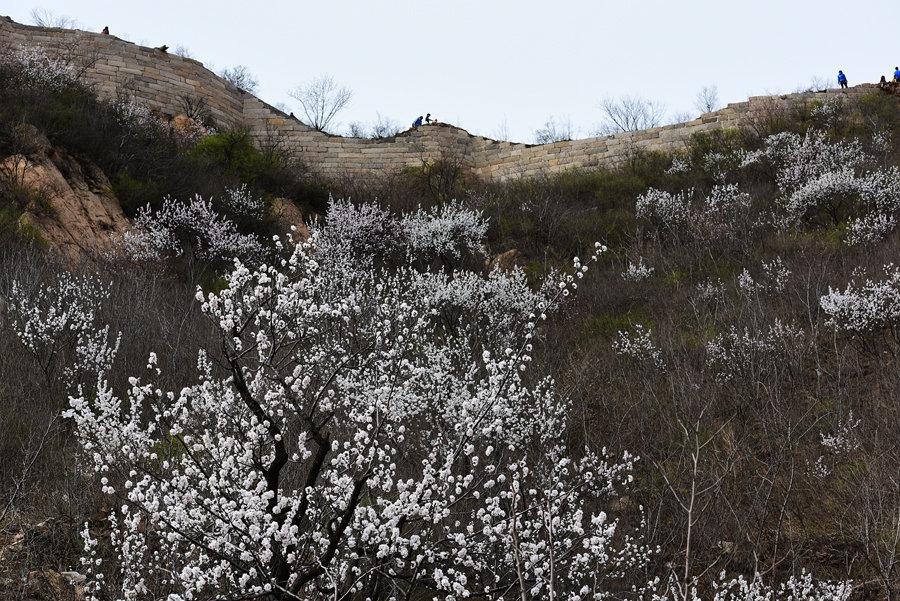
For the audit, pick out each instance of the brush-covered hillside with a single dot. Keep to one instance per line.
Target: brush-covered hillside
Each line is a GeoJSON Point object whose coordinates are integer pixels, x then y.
{"type": "Point", "coordinates": [227, 378]}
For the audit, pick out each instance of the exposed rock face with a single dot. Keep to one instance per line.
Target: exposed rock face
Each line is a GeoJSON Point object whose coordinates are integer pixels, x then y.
{"type": "Point", "coordinates": [505, 260]}
{"type": "Point", "coordinates": [73, 208]}
{"type": "Point", "coordinates": [288, 215]}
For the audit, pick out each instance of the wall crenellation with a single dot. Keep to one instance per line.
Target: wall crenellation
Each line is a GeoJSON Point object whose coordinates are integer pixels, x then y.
{"type": "Point", "coordinates": [162, 80]}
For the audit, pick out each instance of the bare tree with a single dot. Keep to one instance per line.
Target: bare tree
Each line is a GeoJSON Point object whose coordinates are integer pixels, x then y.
{"type": "Point", "coordinates": [629, 113]}
{"type": "Point", "coordinates": [553, 131]}
{"type": "Point", "coordinates": [681, 117]}
{"type": "Point", "coordinates": [45, 18]}
{"type": "Point", "coordinates": [707, 99]}
{"type": "Point", "coordinates": [197, 108]}
{"type": "Point", "coordinates": [357, 129]}
{"type": "Point", "coordinates": [502, 131]}
{"type": "Point", "coordinates": [183, 51]}
{"type": "Point", "coordinates": [385, 127]}
{"type": "Point", "coordinates": [321, 100]}
{"type": "Point", "coordinates": [241, 78]}
{"type": "Point", "coordinates": [817, 83]}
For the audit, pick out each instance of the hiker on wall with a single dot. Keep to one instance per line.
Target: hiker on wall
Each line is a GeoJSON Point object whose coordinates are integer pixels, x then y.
{"type": "Point", "coordinates": [842, 80]}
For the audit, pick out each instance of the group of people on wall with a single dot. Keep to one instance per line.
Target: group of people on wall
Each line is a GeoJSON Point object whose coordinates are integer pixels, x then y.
{"type": "Point", "coordinates": [427, 120]}
{"type": "Point", "coordinates": [891, 86]}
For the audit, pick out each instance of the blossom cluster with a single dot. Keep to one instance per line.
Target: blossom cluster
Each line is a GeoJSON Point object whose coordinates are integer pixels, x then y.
{"type": "Point", "coordinates": [51, 318]}
{"type": "Point", "coordinates": [816, 176]}
{"type": "Point", "coordinates": [710, 216]}
{"type": "Point", "coordinates": [774, 278]}
{"type": "Point", "coordinates": [796, 588]}
{"type": "Point", "coordinates": [844, 438]}
{"type": "Point", "coordinates": [37, 66]}
{"type": "Point", "coordinates": [195, 227]}
{"type": "Point", "coordinates": [637, 271]}
{"type": "Point", "coordinates": [868, 308]}
{"type": "Point", "coordinates": [449, 230]}
{"type": "Point", "coordinates": [665, 209]}
{"type": "Point", "coordinates": [740, 353]}
{"type": "Point", "coordinates": [637, 343]}
{"type": "Point", "coordinates": [242, 202]}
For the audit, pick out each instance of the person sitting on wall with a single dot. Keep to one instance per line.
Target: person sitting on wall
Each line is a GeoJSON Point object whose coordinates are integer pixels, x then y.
{"type": "Point", "coordinates": [418, 121]}
{"type": "Point", "coordinates": [883, 84]}
{"type": "Point", "coordinates": [105, 30]}
{"type": "Point", "coordinates": [428, 118]}
{"type": "Point", "coordinates": [842, 80]}
{"type": "Point", "coordinates": [896, 74]}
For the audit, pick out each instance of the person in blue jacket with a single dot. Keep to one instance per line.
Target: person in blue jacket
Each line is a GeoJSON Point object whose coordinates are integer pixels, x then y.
{"type": "Point", "coordinates": [897, 74]}
{"type": "Point", "coordinates": [418, 121]}
{"type": "Point", "coordinates": [842, 79]}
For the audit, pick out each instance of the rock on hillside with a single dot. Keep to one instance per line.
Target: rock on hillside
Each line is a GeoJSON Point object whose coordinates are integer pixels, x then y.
{"type": "Point", "coordinates": [72, 206]}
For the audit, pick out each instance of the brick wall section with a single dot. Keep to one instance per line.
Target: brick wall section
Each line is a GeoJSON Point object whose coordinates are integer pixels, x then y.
{"type": "Point", "coordinates": [154, 78]}
{"type": "Point", "coordinates": [160, 80]}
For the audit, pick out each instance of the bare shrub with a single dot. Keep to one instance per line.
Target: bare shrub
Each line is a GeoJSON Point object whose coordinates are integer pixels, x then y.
{"type": "Point", "coordinates": [47, 18]}
{"type": "Point", "coordinates": [197, 108]}
{"type": "Point", "coordinates": [385, 127]}
{"type": "Point", "coordinates": [554, 131]}
{"type": "Point", "coordinates": [183, 51]}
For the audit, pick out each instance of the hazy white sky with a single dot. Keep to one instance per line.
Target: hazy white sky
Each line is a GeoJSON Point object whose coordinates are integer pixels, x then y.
{"type": "Point", "coordinates": [478, 63]}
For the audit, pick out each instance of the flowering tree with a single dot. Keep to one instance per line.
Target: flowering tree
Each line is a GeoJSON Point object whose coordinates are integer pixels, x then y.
{"type": "Point", "coordinates": [637, 271]}
{"type": "Point", "coordinates": [866, 311]}
{"type": "Point", "coordinates": [686, 213]}
{"type": "Point", "coordinates": [38, 67]}
{"type": "Point", "coordinates": [194, 227]}
{"type": "Point", "coordinates": [820, 177]}
{"type": "Point", "coordinates": [796, 588]}
{"type": "Point", "coordinates": [445, 230]}
{"type": "Point", "coordinates": [48, 320]}
{"type": "Point", "coordinates": [365, 432]}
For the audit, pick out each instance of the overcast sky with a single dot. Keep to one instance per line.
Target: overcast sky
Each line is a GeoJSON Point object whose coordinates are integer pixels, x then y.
{"type": "Point", "coordinates": [480, 63]}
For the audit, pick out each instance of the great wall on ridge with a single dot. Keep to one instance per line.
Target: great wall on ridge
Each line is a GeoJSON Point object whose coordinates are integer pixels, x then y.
{"type": "Point", "coordinates": [162, 80]}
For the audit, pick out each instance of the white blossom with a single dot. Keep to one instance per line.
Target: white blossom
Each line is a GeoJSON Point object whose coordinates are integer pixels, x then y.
{"type": "Point", "coordinates": [637, 271]}
{"type": "Point", "coordinates": [52, 71]}
{"type": "Point", "coordinates": [865, 309]}
{"type": "Point", "coordinates": [636, 343]}
{"type": "Point", "coordinates": [738, 354]}
{"type": "Point", "coordinates": [177, 227]}
{"type": "Point", "coordinates": [448, 229]}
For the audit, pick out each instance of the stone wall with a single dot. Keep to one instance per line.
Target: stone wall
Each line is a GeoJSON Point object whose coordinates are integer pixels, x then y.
{"type": "Point", "coordinates": [162, 81]}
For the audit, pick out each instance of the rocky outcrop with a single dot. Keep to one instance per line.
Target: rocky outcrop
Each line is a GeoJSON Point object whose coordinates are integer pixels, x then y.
{"type": "Point", "coordinates": [71, 207]}
{"type": "Point", "coordinates": [289, 219]}
{"type": "Point", "coordinates": [22, 578]}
